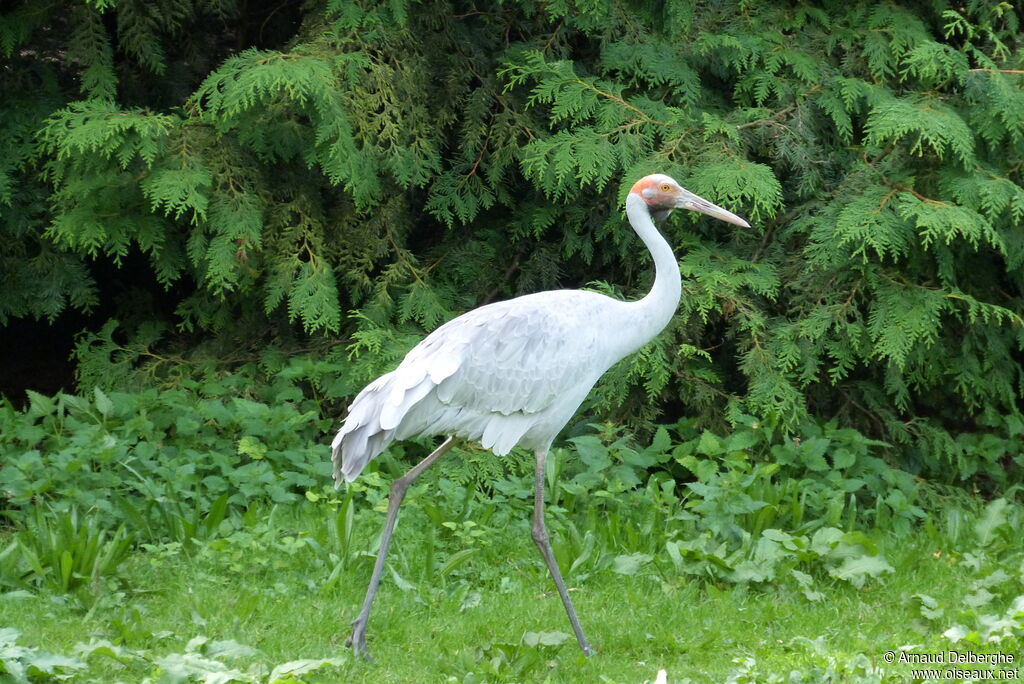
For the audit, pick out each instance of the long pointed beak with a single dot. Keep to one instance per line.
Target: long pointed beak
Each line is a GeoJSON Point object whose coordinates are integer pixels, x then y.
{"type": "Point", "coordinates": [693, 202]}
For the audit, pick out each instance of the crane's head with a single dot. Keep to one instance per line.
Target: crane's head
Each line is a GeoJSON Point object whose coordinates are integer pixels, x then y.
{"type": "Point", "coordinates": [662, 195]}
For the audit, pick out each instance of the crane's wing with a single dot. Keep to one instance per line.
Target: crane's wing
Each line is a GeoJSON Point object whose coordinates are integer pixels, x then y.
{"type": "Point", "coordinates": [491, 375]}
{"type": "Point", "coordinates": [506, 359]}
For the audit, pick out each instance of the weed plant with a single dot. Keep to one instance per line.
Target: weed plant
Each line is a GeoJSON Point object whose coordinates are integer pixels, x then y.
{"type": "Point", "coordinates": [740, 557]}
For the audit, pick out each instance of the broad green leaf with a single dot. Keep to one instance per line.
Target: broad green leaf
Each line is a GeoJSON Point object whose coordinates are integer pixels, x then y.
{"type": "Point", "coordinates": [630, 564]}
{"type": "Point", "coordinates": [535, 639]}
{"type": "Point", "coordinates": [294, 669]}
{"type": "Point", "coordinates": [857, 570]}
{"type": "Point", "coordinates": [252, 447]}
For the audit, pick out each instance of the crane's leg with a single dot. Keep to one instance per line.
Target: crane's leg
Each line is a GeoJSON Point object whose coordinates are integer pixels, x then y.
{"type": "Point", "coordinates": [540, 537]}
{"type": "Point", "coordinates": [398, 489]}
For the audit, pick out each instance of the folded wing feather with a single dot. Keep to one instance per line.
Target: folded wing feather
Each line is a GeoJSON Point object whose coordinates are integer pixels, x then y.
{"type": "Point", "coordinates": [489, 375]}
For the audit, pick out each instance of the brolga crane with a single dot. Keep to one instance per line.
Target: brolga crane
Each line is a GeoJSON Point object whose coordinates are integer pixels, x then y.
{"type": "Point", "coordinates": [513, 373]}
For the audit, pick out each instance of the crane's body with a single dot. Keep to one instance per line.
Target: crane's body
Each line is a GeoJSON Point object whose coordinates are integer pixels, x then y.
{"type": "Point", "coordinates": [514, 373]}
{"type": "Point", "coordinates": [488, 377]}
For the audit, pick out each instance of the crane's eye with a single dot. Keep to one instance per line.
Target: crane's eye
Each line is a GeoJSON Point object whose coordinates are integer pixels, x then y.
{"type": "Point", "coordinates": [665, 187]}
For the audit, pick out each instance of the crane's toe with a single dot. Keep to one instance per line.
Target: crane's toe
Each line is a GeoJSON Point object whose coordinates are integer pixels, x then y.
{"type": "Point", "coordinates": [358, 640]}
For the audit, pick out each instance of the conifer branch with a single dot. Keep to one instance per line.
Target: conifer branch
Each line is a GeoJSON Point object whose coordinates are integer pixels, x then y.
{"type": "Point", "coordinates": [293, 194]}
{"type": "Point", "coordinates": [504, 278]}
{"type": "Point", "coordinates": [1000, 71]}
{"type": "Point", "coordinates": [554, 35]}
{"type": "Point", "coordinates": [779, 115]}
{"type": "Point", "coordinates": [643, 115]}
{"type": "Point", "coordinates": [279, 55]}
{"type": "Point", "coordinates": [483, 150]}
{"type": "Point", "coordinates": [915, 193]}
{"type": "Point", "coordinates": [773, 119]}
{"type": "Point", "coordinates": [926, 200]}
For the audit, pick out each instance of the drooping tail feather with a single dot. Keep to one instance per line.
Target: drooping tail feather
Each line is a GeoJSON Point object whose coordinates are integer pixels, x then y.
{"type": "Point", "coordinates": [373, 419]}
{"type": "Point", "coordinates": [354, 448]}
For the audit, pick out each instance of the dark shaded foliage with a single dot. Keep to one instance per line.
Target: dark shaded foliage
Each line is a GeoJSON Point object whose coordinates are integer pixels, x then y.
{"type": "Point", "coordinates": [335, 180]}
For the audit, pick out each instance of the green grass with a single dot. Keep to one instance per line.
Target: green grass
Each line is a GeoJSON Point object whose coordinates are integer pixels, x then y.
{"type": "Point", "coordinates": [268, 590]}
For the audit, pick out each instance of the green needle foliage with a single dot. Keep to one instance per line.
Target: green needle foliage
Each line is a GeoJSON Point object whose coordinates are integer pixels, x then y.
{"type": "Point", "coordinates": [363, 171]}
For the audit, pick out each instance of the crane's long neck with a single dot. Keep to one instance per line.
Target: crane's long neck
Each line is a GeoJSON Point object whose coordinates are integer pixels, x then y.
{"type": "Point", "coordinates": [652, 313]}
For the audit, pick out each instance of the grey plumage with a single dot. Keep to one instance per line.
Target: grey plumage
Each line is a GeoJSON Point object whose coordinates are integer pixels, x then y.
{"type": "Point", "coordinates": [513, 373]}
{"type": "Point", "coordinates": [509, 373]}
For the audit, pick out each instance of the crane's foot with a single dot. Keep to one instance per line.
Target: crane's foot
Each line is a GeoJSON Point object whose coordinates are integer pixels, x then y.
{"type": "Point", "coordinates": [358, 640]}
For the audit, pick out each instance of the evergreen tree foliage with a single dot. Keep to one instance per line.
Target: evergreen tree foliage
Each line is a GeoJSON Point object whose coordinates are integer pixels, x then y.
{"type": "Point", "coordinates": [335, 179]}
